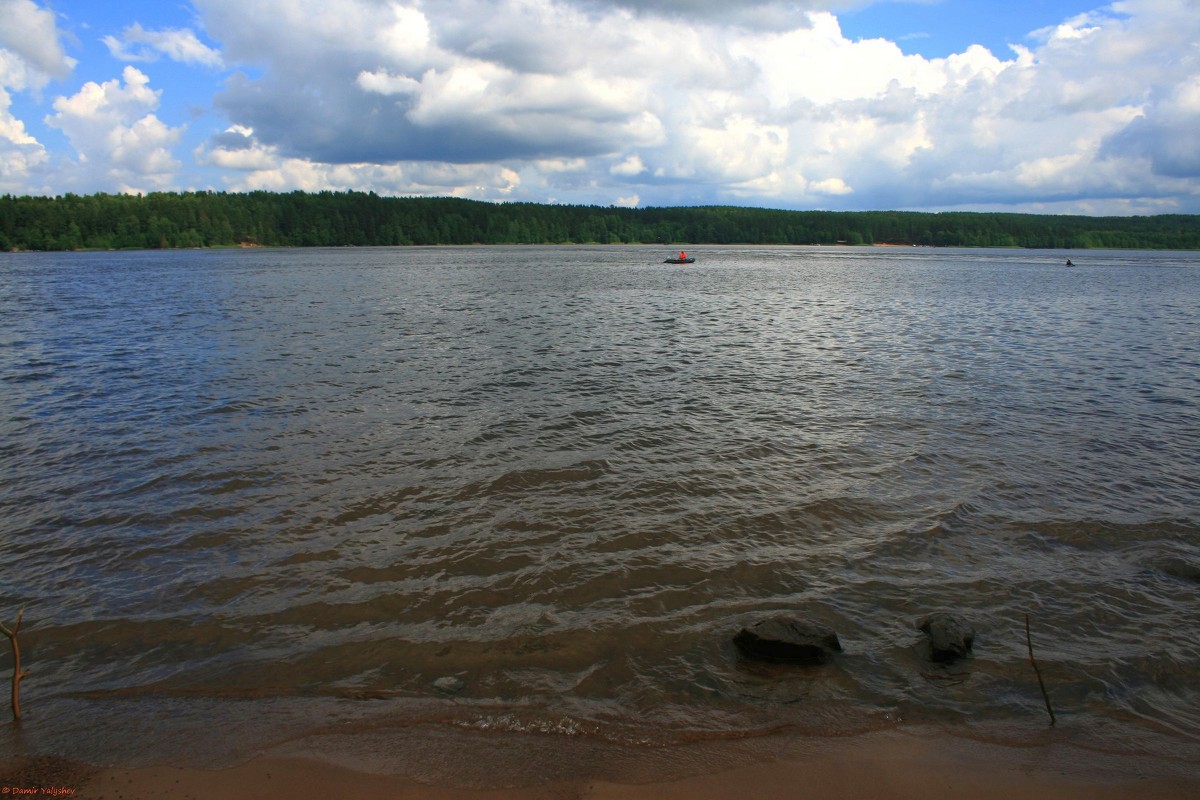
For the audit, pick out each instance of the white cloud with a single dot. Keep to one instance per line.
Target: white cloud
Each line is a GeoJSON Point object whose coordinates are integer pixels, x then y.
{"type": "Point", "coordinates": [20, 153]}
{"type": "Point", "coordinates": [12, 130]}
{"type": "Point", "coordinates": [683, 101]}
{"type": "Point", "coordinates": [731, 149]}
{"type": "Point", "coordinates": [237, 150]}
{"type": "Point", "coordinates": [178, 44]}
{"type": "Point", "coordinates": [383, 82]}
{"type": "Point", "coordinates": [30, 56]}
{"type": "Point", "coordinates": [478, 181]}
{"type": "Point", "coordinates": [652, 102]}
{"type": "Point", "coordinates": [118, 139]}
{"type": "Point", "coordinates": [831, 186]}
{"type": "Point", "coordinates": [753, 14]}
{"type": "Point", "coordinates": [631, 166]}
{"type": "Point", "coordinates": [264, 167]}
{"type": "Point", "coordinates": [1154, 53]}
{"type": "Point", "coordinates": [29, 32]}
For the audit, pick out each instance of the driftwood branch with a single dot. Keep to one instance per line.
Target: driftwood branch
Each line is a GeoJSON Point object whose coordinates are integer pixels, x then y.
{"type": "Point", "coordinates": [18, 673]}
{"type": "Point", "coordinates": [1038, 672]}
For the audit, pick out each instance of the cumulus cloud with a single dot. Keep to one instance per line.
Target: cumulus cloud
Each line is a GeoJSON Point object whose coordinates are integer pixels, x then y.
{"type": "Point", "coordinates": [630, 166]}
{"type": "Point", "coordinates": [1165, 133]}
{"type": "Point", "coordinates": [375, 85]}
{"type": "Point", "coordinates": [686, 101]}
{"type": "Point", "coordinates": [29, 33]}
{"type": "Point", "coordinates": [120, 143]}
{"type": "Point", "coordinates": [1162, 135]}
{"type": "Point", "coordinates": [264, 167]}
{"type": "Point", "coordinates": [20, 153]}
{"type": "Point", "coordinates": [178, 44]}
{"type": "Point", "coordinates": [31, 55]}
{"type": "Point", "coordinates": [755, 14]}
{"type": "Point", "coordinates": [236, 149]}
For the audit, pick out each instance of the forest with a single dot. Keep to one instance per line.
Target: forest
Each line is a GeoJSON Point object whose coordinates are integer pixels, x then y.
{"type": "Point", "coordinates": [325, 219]}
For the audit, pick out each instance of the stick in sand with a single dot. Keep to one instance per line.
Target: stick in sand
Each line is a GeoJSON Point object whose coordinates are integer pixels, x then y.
{"type": "Point", "coordinates": [1038, 672]}
{"type": "Point", "coordinates": [18, 673]}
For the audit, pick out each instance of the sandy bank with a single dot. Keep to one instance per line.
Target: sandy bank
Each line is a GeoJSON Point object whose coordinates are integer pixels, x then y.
{"type": "Point", "coordinates": [886, 766]}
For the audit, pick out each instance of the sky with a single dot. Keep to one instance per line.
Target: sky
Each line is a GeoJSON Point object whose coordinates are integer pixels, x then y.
{"type": "Point", "coordinates": [1041, 106]}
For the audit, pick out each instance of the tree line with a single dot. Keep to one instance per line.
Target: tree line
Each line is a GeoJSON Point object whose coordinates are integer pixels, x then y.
{"type": "Point", "coordinates": [326, 219]}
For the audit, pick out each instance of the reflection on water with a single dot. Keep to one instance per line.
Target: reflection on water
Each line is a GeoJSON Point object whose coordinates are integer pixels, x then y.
{"type": "Point", "coordinates": [565, 476]}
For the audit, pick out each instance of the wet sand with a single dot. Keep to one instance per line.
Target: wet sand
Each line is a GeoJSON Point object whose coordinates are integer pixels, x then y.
{"type": "Point", "coordinates": [891, 765]}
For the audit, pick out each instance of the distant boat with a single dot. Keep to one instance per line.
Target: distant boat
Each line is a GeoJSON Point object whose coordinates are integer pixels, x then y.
{"type": "Point", "coordinates": [682, 259]}
{"type": "Point", "coordinates": [1069, 264]}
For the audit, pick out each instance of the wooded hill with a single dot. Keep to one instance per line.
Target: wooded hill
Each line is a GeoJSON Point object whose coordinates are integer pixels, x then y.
{"type": "Point", "coordinates": [300, 219]}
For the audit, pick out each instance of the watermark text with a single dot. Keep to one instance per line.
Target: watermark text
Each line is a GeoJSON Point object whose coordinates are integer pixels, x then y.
{"type": "Point", "coordinates": [36, 791]}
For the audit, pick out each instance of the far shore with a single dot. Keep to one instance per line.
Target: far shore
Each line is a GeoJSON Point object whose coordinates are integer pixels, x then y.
{"type": "Point", "coordinates": [888, 765]}
{"type": "Point", "coordinates": [840, 245]}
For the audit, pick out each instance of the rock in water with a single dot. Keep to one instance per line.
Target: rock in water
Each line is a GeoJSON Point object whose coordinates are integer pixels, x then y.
{"type": "Point", "coordinates": [950, 636]}
{"type": "Point", "coordinates": [449, 685]}
{"type": "Point", "coordinates": [786, 638]}
{"type": "Point", "coordinates": [1178, 568]}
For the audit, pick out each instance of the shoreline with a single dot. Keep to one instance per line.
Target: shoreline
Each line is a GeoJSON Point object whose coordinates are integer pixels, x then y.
{"type": "Point", "coordinates": [897, 764]}
{"type": "Point", "coordinates": [218, 248]}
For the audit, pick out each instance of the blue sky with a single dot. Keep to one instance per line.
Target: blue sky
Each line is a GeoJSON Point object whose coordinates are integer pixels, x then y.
{"type": "Point", "coordinates": [939, 29]}
{"type": "Point", "coordinates": [1062, 106]}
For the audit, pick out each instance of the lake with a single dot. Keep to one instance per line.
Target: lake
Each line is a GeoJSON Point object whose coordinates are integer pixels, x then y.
{"type": "Point", "coordinates": [367, 497]}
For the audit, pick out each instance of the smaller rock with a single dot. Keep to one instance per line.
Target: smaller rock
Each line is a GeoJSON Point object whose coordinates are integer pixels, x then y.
{"type": "Point", "coordinates": [784, 638]}
{"type": "Point", "coordinates": [950, 636]}
{"type": "Point", "coordinates": [449, 684]}
{"type": "Point", "coordinates": [1178, 568]}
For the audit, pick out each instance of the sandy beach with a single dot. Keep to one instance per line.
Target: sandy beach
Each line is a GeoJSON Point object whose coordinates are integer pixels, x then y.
{"type": "Point", "coordinates": [890, 765]}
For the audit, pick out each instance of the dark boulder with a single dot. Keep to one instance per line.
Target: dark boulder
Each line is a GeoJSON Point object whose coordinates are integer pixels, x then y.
{"type": "Point", "coordinates": [950, 636]}
{"type": "Point", "coordinates": [1178, 568]}
{"type": "Point", "coordinates": [784, 638]}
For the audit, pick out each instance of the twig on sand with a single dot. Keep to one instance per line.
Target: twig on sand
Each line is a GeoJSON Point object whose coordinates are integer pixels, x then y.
{"type": "Point", "coordinates": [1038, 672]}
{"type": "Point", "coordinates": [18, 673]}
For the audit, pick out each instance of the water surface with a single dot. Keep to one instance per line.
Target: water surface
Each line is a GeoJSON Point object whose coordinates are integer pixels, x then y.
{"type": "Point", "coordinates": [284, 492]}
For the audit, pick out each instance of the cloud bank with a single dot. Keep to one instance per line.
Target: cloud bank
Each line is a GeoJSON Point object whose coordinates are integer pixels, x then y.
{"type": "Point", "coordinates": [652, 102]}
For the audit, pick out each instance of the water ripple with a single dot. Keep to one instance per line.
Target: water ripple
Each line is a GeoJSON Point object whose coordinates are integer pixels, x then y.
{"type": "Point", "coordinates": [567, 475]}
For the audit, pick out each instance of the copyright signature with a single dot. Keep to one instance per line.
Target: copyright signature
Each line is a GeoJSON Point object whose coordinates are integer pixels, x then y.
{"type": "Point", "coordinates": [37, 791]}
